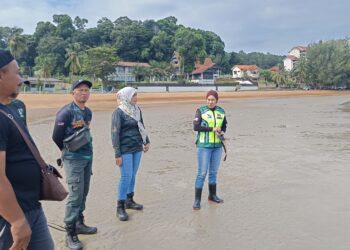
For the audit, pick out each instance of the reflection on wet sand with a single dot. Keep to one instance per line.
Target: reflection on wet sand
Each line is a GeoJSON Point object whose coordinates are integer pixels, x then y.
{"type": "Point", "coordinates": [285, 182]}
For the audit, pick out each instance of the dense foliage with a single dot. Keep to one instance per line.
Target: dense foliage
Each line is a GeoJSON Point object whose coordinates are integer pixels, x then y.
{"type": "Point", "coordinates": [66, 48]}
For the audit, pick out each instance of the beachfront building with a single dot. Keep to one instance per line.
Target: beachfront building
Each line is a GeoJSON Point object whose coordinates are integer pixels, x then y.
{"type": "Point", "coordinates": [205, 73]}
{"type": "Point", "coordinates": [45, 84]}
{"type": "Point", "coordinates": [125, 71]}
{"type": "Point", "coordinates": [294, 56]}
{"type": "Point", "coordinates": [244, 72]}
{"type": "Point", "coordinates": [274, 69]}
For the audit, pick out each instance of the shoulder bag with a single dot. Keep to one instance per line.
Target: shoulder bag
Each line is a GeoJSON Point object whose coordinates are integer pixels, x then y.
{"type": "Point", "coordinates": [51, 187]}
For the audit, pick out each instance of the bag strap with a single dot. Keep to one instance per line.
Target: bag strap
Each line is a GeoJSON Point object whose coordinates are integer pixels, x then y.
{"type": "Point", "coordinates": [30, 145]}
{"type": "Point", "coordinates": [225, 150]}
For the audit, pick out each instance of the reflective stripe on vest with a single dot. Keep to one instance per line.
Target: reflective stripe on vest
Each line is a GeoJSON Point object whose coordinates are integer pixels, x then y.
{"type": "Point", "coordinates": [210, 119]}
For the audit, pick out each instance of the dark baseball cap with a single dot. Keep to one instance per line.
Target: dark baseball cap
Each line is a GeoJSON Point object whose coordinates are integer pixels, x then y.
{"type": "Point", "coordinates": [77, 83]}
{"type": "Point", "coordinates": [5, 58]}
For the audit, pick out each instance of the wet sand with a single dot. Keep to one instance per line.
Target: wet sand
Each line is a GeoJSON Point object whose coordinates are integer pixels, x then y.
{"type": "Point", "coordinates": [285, 182]}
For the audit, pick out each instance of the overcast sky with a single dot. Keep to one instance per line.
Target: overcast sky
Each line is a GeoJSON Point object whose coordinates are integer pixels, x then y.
{"type": "Point", "coordinates": [273, 26]}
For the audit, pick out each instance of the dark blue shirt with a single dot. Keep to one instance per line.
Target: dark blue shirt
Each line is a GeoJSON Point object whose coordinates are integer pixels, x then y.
{"type": "Point", "coordinates": [22, 170]}
{"type": "Point", "coordinates": [68, 120]}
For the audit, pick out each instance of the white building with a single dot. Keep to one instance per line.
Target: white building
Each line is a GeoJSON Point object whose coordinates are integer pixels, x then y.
{"type": "Point", "coordinates": [294, 56]}
{"type": "Point", "coordinates": [245, 71]}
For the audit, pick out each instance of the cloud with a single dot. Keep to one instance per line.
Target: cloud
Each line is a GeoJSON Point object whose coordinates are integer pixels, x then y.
{"type": "Point", "coordinates": [267, 26]}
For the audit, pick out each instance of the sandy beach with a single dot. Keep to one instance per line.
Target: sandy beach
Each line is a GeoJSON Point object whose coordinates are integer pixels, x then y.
{"type": "Point", "coordinates": [285, 182]}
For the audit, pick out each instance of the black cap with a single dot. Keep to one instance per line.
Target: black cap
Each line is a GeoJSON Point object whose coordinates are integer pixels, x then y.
{"type": "Point", "coordinates": [5, 58]}
{"type": "Point", "coordinates": [77, 83]}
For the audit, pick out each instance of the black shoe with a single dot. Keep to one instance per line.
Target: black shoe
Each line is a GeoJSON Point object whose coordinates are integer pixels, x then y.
{"type": "Point", "coordinates": [131, 204]}
{"type": "Point", "coordinates": [212, 194]}
{"type": "Point", "coordinates": [72, 240]}
{"type": "Point", "coordinates": [81, 228]}
{"type": "Point", "coordinates": [197, 199]}
{"type": "Point", "coordinates": [121, 213]}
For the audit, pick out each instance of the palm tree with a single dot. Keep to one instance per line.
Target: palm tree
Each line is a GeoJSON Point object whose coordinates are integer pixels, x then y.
{"type": "Point", "coordinates": [17, 43]}
{"type": "Point", "coordinates": [72, 56]}
{"type": "Point", "coordinates": [300, 71]}
{"type": "Point", "coordinates": [279, 78]}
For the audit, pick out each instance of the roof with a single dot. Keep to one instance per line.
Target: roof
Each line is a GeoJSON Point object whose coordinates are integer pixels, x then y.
{"type": "Point", "coordinates": [33, 79]}
{"type": "Point", "coordinates": [293, 58]}
{"type": "Point", "coordinates": [200, 68]}
{"type": "Point", "coordinates": [132, 64]}
{"type": "Point", "coordinates": [274, 69]}
{"type": "Point", "coordinates": [246, 67]}
{"type": "Point", "coordinates": [300, 48]}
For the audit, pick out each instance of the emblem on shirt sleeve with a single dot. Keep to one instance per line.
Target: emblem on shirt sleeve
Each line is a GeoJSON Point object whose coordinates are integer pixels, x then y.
{"type": "Point", "coordinates": [20, 112]}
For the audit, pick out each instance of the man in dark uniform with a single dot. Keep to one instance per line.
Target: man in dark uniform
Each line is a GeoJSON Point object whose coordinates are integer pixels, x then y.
{"type": "Point", "coordinates": [78, 163]}
{"type": "Point", "coordinates": [22, 221]}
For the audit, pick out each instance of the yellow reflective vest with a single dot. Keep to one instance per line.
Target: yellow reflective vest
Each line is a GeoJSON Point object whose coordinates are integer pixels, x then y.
{"type": "Point", "coordinates": [210, 118]}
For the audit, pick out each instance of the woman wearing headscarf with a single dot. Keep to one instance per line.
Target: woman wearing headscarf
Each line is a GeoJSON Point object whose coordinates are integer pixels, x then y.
{"type": "Point", "coordinates": [129, 139]}
{"type": "Point", "coordinates": [210, 124]}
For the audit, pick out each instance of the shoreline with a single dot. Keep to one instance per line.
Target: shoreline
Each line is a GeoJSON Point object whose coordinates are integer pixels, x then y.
{"type": "Point", "coordinates": [43, 106]}
{"type": "Point", "coordinates": [285, 181]}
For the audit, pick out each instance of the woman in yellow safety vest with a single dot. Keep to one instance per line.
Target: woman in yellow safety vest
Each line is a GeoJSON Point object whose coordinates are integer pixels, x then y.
{"type": "Point", "coordinates": [210, 124]}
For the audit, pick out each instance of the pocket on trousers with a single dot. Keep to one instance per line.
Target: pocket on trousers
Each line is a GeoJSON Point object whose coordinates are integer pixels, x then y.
{"type": "Point", "coordinates": [73, 182]}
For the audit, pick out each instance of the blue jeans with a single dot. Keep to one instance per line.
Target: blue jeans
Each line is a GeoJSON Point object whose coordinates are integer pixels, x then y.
{"type": "Point", "coordinates": [208, 159]}
{"type": "Point", "coordinates": [41, 237]}
{"type": "Point", "coordinates": [128, 170]}
{"type": "Point", "coordinates": [78, 175]}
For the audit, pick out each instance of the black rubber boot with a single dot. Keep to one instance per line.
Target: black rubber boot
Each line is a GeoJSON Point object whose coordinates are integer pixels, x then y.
{"type": "Point", "coordinates": [197, 199]}
{"type": "Point", "coordinates": [72, 240]}
{"type": "Point", "coordinates": [121, 213]}
{"type": "Point", "coordinates": [212, 194]}
{"type": "Point", "coordinates": [131, 204]}
{"type": "Point", "coordinates": [81, 228]}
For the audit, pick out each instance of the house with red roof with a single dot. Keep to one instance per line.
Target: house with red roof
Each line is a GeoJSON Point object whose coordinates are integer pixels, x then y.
{"type": "Point", "coordinates": [241, 72]}
{"type": "Point", "coordinates": [205, 73]}
{"type": "Point", "coordinates": [294, 56]}
{"type": "Point", "coordinates": [274, 69]}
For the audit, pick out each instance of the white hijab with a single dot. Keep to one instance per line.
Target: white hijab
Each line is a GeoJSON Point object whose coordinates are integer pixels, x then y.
{"type": "Point", "coordinates": [124, 98]}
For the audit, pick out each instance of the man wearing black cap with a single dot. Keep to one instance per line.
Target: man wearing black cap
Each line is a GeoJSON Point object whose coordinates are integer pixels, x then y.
{"type": "Point", "coordinates": [22, 221]}
{"type": "Point", "coordinates": [77, 162]}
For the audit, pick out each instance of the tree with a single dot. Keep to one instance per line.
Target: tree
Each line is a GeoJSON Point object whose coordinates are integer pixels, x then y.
{"type": "Point", "coordinates": [44, 29]}
{"type": "Point", "coordinates": [328, 63]}
{"type": "Point", "coordinates": [105, 28]}
{"type": "Point", "coordinates": [299, 71]}
{"type": "Point", "coordinates": [141, 73]}
{"type": "Point", "coordinates": [168, 25]}
{"type": "Point", "coordinates": [44, 65]}
{"type": "Point", "coordinates": [65, 27]}
{"type": "Point", "coordinates": [80, 23]}
{"type": "Point", "coordinates": [99, 62]}
{"type": "Point", "coordinates": [160, 71]}
{"type": "Point", "coordinates": [266, 75]}
{"type": "Point", "coordinates": [130, 40]}
{"type": "Point", "coordinates": [189, 44]}
{"type": "Point", "coordinates": [15, 40]}
{"type": "Point", "coordinates": [161, 46]}
{"type": "Point", "coordinates": [279, 78]}
{"type": "Point", "coordinates": [56, 46]}
{"type": "Point", "coordinates": [17, 45]}
{"type": "Point", "coordinates": [72, 56]}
